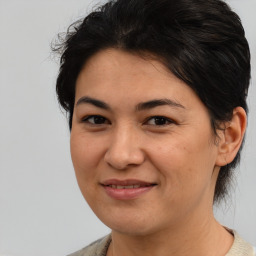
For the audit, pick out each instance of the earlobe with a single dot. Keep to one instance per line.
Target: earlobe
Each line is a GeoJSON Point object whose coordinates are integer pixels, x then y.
{"type": "Point", "coordinates": [231, 137]}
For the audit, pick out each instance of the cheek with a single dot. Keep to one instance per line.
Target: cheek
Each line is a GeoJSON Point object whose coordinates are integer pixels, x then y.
{"type": "Point", "coordinates": [85, 156]}
{"type": "Point", "coordinates": [186, 164]}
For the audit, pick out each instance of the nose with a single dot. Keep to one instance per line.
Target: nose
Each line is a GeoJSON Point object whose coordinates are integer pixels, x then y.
{"type": "Point", "coordinates": [125, 149]}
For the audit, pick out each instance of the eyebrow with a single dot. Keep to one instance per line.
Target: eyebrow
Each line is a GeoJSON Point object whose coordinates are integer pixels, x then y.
{"type": "Point", "coordinates": [158, 102]}
{"type": "Point", "coordinates": [95, 102]}
{"type": "Point", "coordinates": [140, 107]}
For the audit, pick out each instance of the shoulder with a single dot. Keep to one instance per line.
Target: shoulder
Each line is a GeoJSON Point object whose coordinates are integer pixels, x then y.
{"type": "Point", "coordinates": [97, 248]}
{"type": "Point", "coordinates": [240, 247]}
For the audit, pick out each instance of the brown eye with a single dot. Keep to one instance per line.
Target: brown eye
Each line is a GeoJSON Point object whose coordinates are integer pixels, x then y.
{"type": "Point", "coordinates": [159, 120]}
{"type": "Point", "coordinates": [96, 120]}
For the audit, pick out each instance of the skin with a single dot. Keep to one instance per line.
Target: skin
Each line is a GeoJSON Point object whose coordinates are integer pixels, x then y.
{"type": "Point", "coordinates": [179, 153]}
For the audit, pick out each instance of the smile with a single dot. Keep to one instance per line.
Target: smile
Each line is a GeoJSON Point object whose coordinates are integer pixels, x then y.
{"type": "Point", "coordinates": [127, 189]}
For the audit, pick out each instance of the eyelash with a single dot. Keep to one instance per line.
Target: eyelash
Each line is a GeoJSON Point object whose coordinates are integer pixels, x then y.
{"type": "Point", "coordinates": [167, 121]}
{"type": "Point", "coordinates": [161, 118]}
{"type": "Point", "coordinates": [86, 119]}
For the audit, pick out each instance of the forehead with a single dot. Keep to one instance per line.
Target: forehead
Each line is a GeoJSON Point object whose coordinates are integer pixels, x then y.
{"type": "Point", "coordinates": [119, 75]}
{"type": "Point", "coordinates": [115, 62]}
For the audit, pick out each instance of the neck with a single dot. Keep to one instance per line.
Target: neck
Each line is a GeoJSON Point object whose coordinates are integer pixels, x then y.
{"type": "Point", "coordinates": [206, 238]}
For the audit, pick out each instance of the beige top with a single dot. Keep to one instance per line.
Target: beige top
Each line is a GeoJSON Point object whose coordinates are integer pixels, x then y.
{"type": "Point", "coordinates": [100, 247]}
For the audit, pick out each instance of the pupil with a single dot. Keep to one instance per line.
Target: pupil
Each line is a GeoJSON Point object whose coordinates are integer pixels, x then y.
{"type": "Point", "coordinates": [160, 120]}
{"type": "Point", "coordinates": [99, 120]}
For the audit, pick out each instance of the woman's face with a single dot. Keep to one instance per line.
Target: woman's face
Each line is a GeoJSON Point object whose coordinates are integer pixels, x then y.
{"type": "Point", "coordinates": [141, 144]}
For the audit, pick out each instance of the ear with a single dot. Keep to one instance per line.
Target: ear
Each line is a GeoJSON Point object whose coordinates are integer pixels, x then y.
{"type": "Point", "coordinates": [231, 137]}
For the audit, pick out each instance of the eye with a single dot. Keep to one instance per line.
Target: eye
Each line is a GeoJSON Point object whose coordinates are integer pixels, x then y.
{"type": "Point", "coordinates": [95, 120]}
{"type": "Point", "coordinates": [159, 121]}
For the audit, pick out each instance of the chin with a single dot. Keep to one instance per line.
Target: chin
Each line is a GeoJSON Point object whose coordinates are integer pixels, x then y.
{"type": "Point", "coordinates": [130, 225]}
{"type": "Point", "coordinates": [132, 230]}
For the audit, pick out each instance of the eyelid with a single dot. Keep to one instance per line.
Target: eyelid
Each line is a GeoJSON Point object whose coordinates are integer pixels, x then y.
{"type": "Point", "coordinates": [169, 120]}
{"type": "Point", "coordinates": [86, 118]}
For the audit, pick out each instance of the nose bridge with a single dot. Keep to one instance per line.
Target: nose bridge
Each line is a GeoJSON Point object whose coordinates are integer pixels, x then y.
{"type": "Point", "coordinates": [125, 147]}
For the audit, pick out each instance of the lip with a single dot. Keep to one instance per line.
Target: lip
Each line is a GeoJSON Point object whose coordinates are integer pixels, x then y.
{"type": "Point", "coordinates": [112, 190]}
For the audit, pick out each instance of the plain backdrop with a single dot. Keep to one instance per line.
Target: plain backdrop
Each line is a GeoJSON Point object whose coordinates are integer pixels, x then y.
{"type": "Point", "coordinates": [42, 212]}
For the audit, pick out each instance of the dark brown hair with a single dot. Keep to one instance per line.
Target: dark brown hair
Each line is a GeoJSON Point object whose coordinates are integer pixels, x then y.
{"type": "Point", "coordinates": [201, 42]}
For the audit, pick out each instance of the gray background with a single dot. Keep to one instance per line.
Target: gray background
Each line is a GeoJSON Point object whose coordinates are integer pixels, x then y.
{"type": "Point", "coordinates": [41, 210]}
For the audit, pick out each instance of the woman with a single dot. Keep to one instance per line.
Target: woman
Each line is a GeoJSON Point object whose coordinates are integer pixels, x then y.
{"type": "Point", "coordinates": [156, 96]}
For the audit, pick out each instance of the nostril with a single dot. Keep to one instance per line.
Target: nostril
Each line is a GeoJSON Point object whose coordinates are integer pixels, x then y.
{"type": "Point", "coordinates": [120, 159]}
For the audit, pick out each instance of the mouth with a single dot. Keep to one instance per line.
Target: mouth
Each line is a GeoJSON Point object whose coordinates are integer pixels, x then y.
{"type": "Point", "coordinates": [126, 189]}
